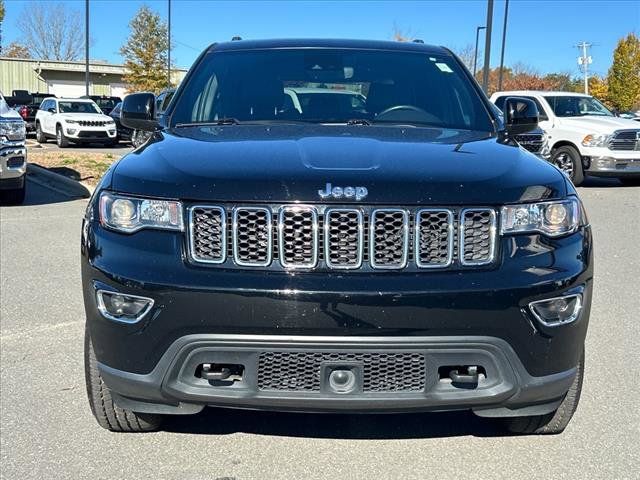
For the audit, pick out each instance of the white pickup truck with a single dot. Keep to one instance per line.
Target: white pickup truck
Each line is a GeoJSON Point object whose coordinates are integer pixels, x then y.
{"type": "Point", "coordinates": [584, 136]}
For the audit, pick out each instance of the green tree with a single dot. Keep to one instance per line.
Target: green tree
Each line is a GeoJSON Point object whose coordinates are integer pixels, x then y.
{"type": "Point", "coordinates": [145, 52]}
{"type": "Point", "coordinates": [624, 75]}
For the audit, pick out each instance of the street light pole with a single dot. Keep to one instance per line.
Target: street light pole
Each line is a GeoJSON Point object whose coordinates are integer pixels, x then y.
{"type": "Point", "coordinates": [86, 47]}
{"type": "Point", "coordinates": [169, 46]}
{"type": "Point", "coordinates": [504, 39]}
{"type": "Point", "coordinates": [487, 47]}
{"type": "Point", "coordinates": [475, 54]}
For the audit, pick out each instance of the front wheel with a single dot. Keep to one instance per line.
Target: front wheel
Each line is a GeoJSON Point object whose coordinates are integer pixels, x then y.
{"type": "Point", "coordinates": [105, 411]}
{"type": "Point", "coordinates": [554, 422]}
{"type": "Point", "coordinates": [40, 137]}
{"type": "Point", "coordinates": [61, 140]}
{"type": "Point", "coordinates": [568, 160]}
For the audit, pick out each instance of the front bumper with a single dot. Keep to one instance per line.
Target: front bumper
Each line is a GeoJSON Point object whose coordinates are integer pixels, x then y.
{"type": "Point", "coordinates": [173, 387]}
{"type": "Point", "coordinates": [615, 167]}
{"type": "Point", "coordinates": [13, 166]}
{"type": "Point", "coordinates": [80, 134]}
{"type": "Point", "coordinates": [471, 317]}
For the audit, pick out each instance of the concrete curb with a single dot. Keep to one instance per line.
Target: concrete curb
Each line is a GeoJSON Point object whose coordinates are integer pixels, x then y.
{"type": "Point", "coordinates": [58, 183]}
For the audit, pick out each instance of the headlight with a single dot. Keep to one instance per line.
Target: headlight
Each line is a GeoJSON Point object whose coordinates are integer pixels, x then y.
{"type": "Point", "coordinates": [550, 218]}
{"type": "Point", "coordinates": [596, 140]}
{"type": "Point", "coordinates": [111, 122]}
{"type": "Point", "coordinates": [130, 214]}
{"type": "Point", "coordinates": [70, 121]}
{"type": "Point", "coordinates": [13, 130]}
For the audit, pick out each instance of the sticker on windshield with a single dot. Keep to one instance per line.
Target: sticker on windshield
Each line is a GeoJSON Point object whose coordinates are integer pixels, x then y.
{"type": "Point", "coordinates": [444, 67]}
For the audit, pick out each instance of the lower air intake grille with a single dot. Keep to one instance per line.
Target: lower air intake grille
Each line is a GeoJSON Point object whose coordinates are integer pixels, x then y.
{"type": "Point", "coordinates": [382, 372]}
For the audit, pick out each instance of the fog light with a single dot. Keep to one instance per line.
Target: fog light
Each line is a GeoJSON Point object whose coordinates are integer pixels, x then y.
{"type": "Point", "coordinates": [557, 311]}
{"type": "Point", "coordinates": [123, 308]}
{"type": "Point", "coordinates": [342, 380]}
{"type": "Point", "coordinates": [71, 131]}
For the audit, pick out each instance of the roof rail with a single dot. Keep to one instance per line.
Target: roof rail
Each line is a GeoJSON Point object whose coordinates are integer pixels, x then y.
{"type": "Point", "coordinates": [417, 40]}
{"type": "Point", "coordinates": [235, 38]}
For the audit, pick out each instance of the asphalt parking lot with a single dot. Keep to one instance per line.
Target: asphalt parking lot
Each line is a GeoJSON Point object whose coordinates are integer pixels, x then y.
{"type": "Point", "coordinates": [48, 431]}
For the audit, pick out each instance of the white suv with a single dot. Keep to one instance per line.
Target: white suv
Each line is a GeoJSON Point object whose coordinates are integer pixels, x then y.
{"type": "Point", "coordinates": [585, 137]}
{"type": "Point", "coordinates": [74, 120]}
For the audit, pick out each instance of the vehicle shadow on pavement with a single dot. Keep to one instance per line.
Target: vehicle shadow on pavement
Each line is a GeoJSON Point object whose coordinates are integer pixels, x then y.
{"type": "Point", "coordinates": [603, 182]}
{"type": "Point", "coordinates": [44, 193]}
{"type": "Point", "coordinates": [218, 421]}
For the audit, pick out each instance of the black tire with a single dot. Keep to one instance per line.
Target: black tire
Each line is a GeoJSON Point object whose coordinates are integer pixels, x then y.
{"type": "Point", "coordinates": [554, 422]}
{"type": "Point", "coordinates": [40, 136]}
{"type": "Point", "coordinates": [15, 196]}
{"type": "Point", "coordinates": [61, 140]}
{"type": "Point", "coordinates": [105, 411]}
{"type": "Point", "coordinates": [568, 159]}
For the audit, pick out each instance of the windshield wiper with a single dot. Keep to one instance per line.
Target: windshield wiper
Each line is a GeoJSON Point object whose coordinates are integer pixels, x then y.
{"type": "Point", "coordinates": [220, 121]}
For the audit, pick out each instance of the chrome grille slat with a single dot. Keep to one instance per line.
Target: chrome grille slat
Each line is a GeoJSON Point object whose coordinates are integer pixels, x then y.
{"type": "Point", "coordinates": [298, 236]}
{"type": "Point", "coordinates": [284, 237]}
{"type": "Point", "coordinates": [477, 236]}
{"type": "Point", "coordinates": [344, 238]}
{"type": "Point", "coordinates": [434, 232]}
{"type": "Point", "coordinates": [389, 238]}
{"type": "Point", "coordinates": [252, 238]}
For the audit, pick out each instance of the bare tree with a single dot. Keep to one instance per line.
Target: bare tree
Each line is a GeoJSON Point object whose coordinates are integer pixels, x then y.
{"type": "Point", "coordinates": [401, 35]}
{"type": "Point", "coordinates": [467, 55]}
{"type": "Point", "coordinates": [51, 31]}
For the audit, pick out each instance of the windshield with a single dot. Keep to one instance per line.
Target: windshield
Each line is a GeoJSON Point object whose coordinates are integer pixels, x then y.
{"type": "Point", "coordinates": [78, 107]}
{"type": "Point", "coordinates": [572, 106]}
{"type": "Point", "coordinates": [332, 86]}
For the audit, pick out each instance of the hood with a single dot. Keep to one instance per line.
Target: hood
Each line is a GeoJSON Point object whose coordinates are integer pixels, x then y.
{"type": "Point", "coordinates": [599, 124]}
{"type": "Point", "coordinates": [89, 117]}
{"type": "Point", "coordinates": [291, 163]}
{"type": "Point", "coordinates": [7, 113]}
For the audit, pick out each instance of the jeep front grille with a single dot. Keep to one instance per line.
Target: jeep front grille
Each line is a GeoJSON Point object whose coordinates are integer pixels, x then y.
{"type": "Point", "coordinates": [91, 123]}
{"type": "Point", "coordinates": [341, 238]}
{"type": "Point", "coordinates": [625, 140]}
{"type": "Point", "coordinates": [381, 372]}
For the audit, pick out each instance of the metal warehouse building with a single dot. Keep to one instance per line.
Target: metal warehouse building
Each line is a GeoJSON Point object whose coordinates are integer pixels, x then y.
{"type": "Point", "coordinates": [64, 79]}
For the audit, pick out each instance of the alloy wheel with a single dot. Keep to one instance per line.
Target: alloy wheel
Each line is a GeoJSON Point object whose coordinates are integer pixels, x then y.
{"type": "Point", "coordinates": [564, 162]}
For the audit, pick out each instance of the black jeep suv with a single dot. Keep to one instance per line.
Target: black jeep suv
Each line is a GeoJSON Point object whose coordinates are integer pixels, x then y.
{"type": "Point", "coordinates": [394, 252]}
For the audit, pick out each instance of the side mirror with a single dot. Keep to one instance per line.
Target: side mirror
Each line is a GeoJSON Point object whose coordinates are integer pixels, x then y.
{"type": "Point", "coordinates": [51, 110]}
{"type": "Point", "coordinates": [138, 112]}
{"type": "Point", "coordinates": [520, 115]}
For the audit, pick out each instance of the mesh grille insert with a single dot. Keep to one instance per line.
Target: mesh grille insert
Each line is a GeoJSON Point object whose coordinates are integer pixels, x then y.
{"type": "Point", "coordinates": [382, 372]}
{"type": "Point", "coordinates": [252, 236]}
{"type": "Point", "coordinates": [389, 238]}
{"type": "Point", "coordinates": [343, 238]}
{"type": "Point", "coordinates": [208, 241]}
{"type": "Point", "coordinates": [434, 238]}
{"type": "Point", "coordinates": [298, 239]}
{"type": "Point", "coordinates": [477, 236]}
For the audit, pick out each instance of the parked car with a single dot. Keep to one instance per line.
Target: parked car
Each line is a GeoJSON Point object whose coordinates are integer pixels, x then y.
{"type": "Point", "coordinates": [124, 133]}
{"type": "Point", "coordinates": [105, 102]}
{"type": "Point", "coordinates": [585, 137]}
{"type": "Point", "coordinates": [74, 120]}
{"type": "Point", "coordinates": [413, 258]}
{"type": "Point", "coordinates": [13, 155]}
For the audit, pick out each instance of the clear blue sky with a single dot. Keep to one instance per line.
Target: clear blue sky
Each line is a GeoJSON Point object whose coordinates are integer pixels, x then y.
{"type": "Point", "coordinates": [540, 33]}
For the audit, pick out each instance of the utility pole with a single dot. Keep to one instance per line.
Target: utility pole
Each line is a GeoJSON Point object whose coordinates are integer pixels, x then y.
{"type": "Point", "coordinates": [86, 47]}
{"type": "Point", "coordinates": [487, 47]}
{"type": "Point", "coordinates": [504, 39]}
{"type": "Point", "coordinates": [584, 61]}
{"type": "Point", "coordinates": [475, 54]}
{"type": "Point", "coordinates": [169, 46]}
